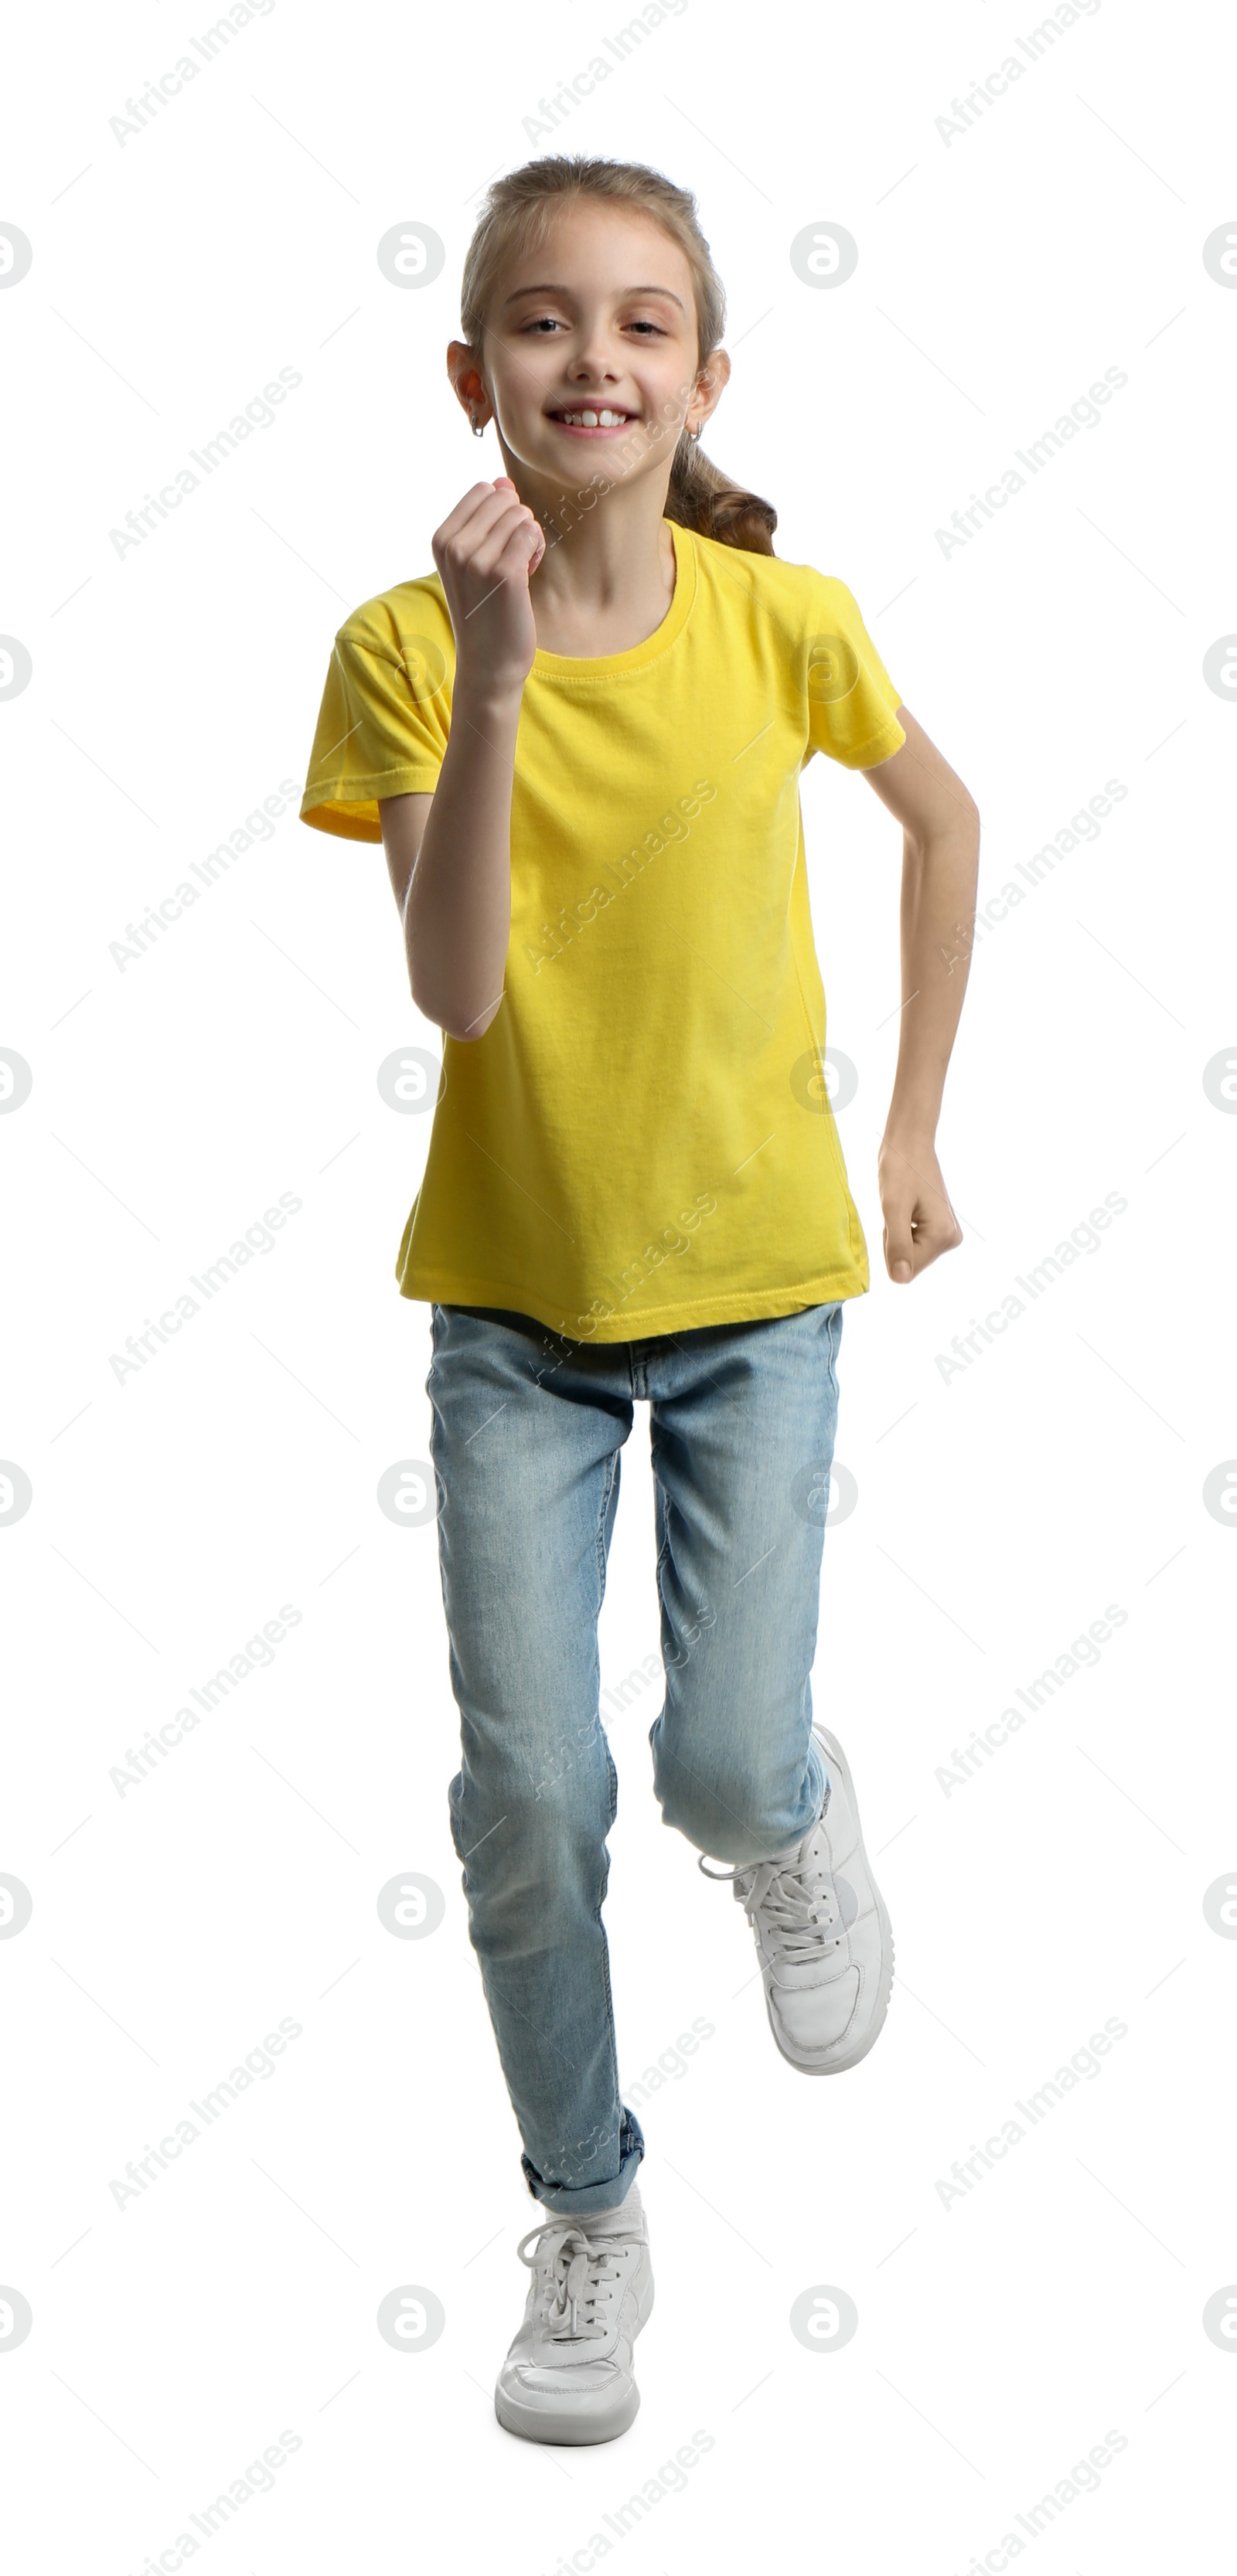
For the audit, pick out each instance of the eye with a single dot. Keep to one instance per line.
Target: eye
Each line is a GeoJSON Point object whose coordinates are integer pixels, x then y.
{"type": "Point", "coordinates": [544, 322]}
{"type": "Point", "coordinates": [655, 327]}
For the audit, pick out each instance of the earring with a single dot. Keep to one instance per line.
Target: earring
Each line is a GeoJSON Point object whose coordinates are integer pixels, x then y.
{"type": "Point", "coordinates": [478, 428]}
{"type": "Point", "coordinates": [694, 434]}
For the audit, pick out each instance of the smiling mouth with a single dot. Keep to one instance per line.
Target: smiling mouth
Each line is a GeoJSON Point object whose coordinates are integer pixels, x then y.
{"type": "Point", "coordinates": [592, 417]}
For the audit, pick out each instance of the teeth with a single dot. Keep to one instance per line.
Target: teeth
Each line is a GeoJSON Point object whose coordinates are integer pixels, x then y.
{"type": "Point", "coordinates": [594, 419]}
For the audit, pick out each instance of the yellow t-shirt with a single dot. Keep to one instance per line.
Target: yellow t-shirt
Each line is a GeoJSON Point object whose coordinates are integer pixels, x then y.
{"type": "Point", "coordinates": [641, 1141]}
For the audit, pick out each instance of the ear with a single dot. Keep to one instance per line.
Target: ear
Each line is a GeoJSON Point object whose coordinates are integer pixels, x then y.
{"type": "Point", "coordinates": [467, 381]}
{"type": "Point", "coordinates": [711, 384]}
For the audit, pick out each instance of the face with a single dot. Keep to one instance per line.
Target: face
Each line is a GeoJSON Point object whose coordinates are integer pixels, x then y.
{"type": "Point", "coordinates": [590, 349]}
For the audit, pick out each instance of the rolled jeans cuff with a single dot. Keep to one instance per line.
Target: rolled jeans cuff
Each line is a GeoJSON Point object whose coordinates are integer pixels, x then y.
{"type": "Point", "coordinates": [569, 2202]}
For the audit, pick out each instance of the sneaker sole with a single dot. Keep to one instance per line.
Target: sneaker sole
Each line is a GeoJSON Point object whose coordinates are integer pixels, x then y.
{"type": "Point", "coordinates": [841, 2065]}
{"type": "Point", "coordinates": [570, 2426]}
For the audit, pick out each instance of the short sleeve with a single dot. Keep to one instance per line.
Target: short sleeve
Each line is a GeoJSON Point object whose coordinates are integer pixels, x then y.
{"type": "Point", "coordinates": [382, 730]}
{"type": "Point", "coordinates": [852, 702]}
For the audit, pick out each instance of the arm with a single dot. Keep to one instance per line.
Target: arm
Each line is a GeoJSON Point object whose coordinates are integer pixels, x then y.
{"type": "Point", "coordinates": [449, 860]}
{"type": "Point", "coordinates": [940, 866]}
{"type": "Point", "coordinates": [449, 854]}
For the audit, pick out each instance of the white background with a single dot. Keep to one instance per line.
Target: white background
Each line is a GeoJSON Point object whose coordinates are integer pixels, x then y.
{"type": "Point", "coordinates": [1002, 2335]}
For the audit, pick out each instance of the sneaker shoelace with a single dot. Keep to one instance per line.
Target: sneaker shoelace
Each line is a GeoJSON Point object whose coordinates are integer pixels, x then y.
{"type": "Point", "coordinates": [797, 1904]}
{"type": "Point", "coordinates": [576, 2269]}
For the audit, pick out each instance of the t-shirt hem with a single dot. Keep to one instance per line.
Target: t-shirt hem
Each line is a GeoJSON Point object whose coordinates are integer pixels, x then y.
{"type": "Point", "coordinates": [753, 1306]}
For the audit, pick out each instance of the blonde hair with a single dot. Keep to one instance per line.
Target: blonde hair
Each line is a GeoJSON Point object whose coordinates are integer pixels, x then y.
{"type": "Point", "coordinates": [515, 213]}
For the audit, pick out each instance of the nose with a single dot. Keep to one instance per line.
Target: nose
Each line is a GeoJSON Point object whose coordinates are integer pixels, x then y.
{"type": "Point", "coordinates": [594, 362]}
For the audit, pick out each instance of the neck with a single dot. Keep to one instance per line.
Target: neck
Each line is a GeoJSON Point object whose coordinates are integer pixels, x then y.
{"type": "Point", "coordinates": [607, 577]}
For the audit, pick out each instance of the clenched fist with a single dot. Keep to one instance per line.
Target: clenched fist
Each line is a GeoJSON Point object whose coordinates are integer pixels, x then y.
{"type": "Point", "coordinates": [486, 553]}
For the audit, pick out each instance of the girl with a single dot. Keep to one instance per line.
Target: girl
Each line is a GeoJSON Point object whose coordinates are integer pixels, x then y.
{"type": "Point", "coordinates": [580, 743]}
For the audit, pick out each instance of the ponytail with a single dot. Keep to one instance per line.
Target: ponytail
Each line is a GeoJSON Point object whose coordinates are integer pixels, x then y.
{"type": "Point", "coordinates": [514, 214]}
{"type": "Point", "coordinates": [702, 497]}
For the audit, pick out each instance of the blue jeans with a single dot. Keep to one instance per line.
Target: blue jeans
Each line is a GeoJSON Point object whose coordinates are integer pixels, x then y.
{"type": "Point", "coordinates": [526, 1439]}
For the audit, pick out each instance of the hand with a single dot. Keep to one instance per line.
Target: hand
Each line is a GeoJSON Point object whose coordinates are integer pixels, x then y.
{"type": "Point", "coordinates": [919, 1221]}
{"type": "Point", "coordinates": [486, 553]}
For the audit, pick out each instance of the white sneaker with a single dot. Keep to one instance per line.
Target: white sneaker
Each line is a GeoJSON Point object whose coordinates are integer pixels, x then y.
{"type": "Point", "coordinates": [568, 2375]}
{"type": "Point", "coordinates": [822, 1933]}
